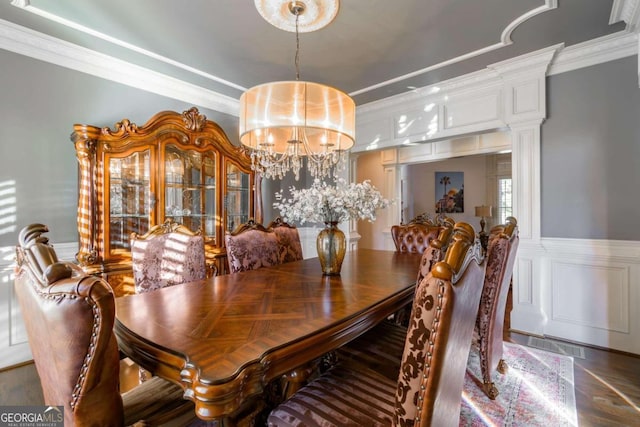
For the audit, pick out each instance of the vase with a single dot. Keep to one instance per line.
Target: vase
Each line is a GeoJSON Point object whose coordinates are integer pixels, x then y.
{"type": "Point", "coordinates": [332, 246]}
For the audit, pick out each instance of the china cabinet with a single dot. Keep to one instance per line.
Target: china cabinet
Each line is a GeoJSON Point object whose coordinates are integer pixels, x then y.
{"type": "Point", "coordinates": [176, 166]}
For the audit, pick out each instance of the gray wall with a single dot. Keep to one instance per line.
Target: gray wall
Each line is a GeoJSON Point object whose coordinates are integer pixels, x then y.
{"type": "Point", "coordinates": [590, 151]}
{"type": "Point", "coordinates": [590, 146]}
{"type": "Point", "coordinates": [39, 104]}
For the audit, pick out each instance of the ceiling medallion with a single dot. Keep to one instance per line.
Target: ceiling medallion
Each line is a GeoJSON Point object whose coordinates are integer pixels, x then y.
{"type": "Point", "coordinates": [317, 13]}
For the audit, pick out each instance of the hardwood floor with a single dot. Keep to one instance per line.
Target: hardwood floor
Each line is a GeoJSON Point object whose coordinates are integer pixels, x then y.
{"type": "Point", "coordinates": [607, 386]}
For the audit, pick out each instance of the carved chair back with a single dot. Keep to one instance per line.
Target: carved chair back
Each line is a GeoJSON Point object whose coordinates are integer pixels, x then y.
{"type": "Point", "coordinates": [251, 246]}
{"type": "Point", "coordinates": [168, 254]}
{"type": "Point", "coordinates": [414, 236]}
{"type": "Point", "coordinates": [289, 246]}
{"type": "Point", "coordinates": [434, 360]}
{"type": "Point", "coordinates": [69, 319]}
{"type": "Point", "coordinates": [436, 248]}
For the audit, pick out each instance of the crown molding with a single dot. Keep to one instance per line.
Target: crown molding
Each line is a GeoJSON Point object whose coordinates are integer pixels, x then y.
{"type": "Point", "coordinates": [534, 62]}
{"type": "Point", "coordinates": [627, 11]}
{"type": "Point", "coordinates": [603, 49]}
{"type": "Point", "coordinates": [26, 6]}
{"type": "Point", "coordinates": [27, 42]}
{"type": "Point", "coordinates": [478, 80]}
{"type": "Point", "coordinates": [563, 59]}
{"type": "Point", "coordinates": [40, 46]}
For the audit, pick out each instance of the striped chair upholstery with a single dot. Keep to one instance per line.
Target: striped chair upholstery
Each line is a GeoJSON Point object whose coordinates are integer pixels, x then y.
{"type": "Point", "coordinates": [251, 246]}
{"type": "Point", "coordinates": [289, 246]}
{"type": "Point", "coordinates": [501, 254]}
{"type": "Point", "coordinates": [429, 385]}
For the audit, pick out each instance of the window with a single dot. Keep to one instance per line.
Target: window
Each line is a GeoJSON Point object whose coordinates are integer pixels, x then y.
{"type": "Point", "coordinates": [505, 200]}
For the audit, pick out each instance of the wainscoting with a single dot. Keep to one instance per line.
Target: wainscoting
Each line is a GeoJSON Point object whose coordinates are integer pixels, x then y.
{"type": "Point", "coordinates": [585, 291]}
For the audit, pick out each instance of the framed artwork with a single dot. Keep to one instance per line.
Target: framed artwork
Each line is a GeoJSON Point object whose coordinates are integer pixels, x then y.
{"type": "Point", "coordinates": [449, 192]}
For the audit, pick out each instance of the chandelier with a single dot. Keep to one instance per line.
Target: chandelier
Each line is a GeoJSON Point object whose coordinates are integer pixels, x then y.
{"type": "Point", "coordinates": [284, 122]}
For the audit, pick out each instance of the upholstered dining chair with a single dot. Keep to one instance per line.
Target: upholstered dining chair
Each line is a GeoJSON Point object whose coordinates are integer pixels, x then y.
{"type": "Point", "coordinates": [251, 246]}
{"type": "Point", "coordinates": [436, 248]}
{"type": "Point", "coordinates": [435, 235]}
{"type": "Point", "coordinates": [429, 386]}
{"type": "Point", "coordinates": [381, 347]}
{"type": "Point", "coordinates": [166, 255]}
{"type": "Point", "coordinates": [501, 253]}
{"type": "Point", "coordinates": [289, 246]}
{"type": "Point", "coordinates": [69, 318]}
{"type": "Point", "coordinates": [414, 236]}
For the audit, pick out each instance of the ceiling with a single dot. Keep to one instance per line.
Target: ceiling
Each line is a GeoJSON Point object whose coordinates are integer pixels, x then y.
{"type": "Point", "coordinates": [372, 50]}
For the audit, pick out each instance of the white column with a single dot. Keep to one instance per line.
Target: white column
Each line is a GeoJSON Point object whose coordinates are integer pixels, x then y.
{"type": "Point", "coordinates": [524, 97]}
{"type": "Point", "coordinates": [528, 311]}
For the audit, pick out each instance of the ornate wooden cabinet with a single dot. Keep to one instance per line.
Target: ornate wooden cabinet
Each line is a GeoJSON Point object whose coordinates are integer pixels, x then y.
{"type": "Point", "coordinates": [179, 166]}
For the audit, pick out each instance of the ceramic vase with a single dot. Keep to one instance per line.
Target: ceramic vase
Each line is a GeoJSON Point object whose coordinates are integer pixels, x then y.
{"type": "Point", "coordinates": [332, 246]}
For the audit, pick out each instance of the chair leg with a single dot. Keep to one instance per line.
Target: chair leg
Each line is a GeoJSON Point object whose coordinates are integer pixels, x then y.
{"type": "Point", "coordinates": [503, 368]}
{"type": "Point", "coordinates": [295, 379]}
{"type": "Point", "coordinates": [488, 386]}
{"type": "Point", "coordinates": [490, 390]}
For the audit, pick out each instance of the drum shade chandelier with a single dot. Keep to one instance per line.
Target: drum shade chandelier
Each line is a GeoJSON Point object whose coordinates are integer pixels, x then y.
{"type": "Point", "coordinates": [283, 122]}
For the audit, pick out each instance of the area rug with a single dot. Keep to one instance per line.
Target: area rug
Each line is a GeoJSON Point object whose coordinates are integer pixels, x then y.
{"type": "Point", "coordinates": [536, 391]}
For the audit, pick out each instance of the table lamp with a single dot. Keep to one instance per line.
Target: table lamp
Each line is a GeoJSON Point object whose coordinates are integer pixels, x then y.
{"type": "Point", "coordinates": [483, 212]}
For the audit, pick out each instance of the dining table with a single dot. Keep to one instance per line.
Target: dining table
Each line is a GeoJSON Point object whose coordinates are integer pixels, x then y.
{"type": "Point", "coordinates": [225, 338]}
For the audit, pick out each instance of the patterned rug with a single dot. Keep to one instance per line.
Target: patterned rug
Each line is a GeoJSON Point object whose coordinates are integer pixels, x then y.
{"type": "Point", "coordinates": [536, 391]}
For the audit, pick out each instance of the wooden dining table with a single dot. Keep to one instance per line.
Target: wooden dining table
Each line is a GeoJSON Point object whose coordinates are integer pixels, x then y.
{"type": "Point", "coordinates": [225, 338]}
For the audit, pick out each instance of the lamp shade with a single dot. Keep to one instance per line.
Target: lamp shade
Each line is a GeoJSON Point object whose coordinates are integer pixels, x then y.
{"type": "Point", "coordinates": [484, 211]}
{"type": "Point", "coordinates": [280, 116]}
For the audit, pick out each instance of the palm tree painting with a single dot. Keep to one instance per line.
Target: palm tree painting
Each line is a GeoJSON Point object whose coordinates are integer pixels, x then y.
{"type": "Point", "coordinates": [449, 192]}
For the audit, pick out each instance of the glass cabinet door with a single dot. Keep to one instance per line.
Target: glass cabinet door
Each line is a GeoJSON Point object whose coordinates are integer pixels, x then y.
{"type": "Point", "coordinates": [130, 201]}
{"type": "Point", "coordinates": [237, 197]}
{"type": "Point", "coordinates": [190, 189]}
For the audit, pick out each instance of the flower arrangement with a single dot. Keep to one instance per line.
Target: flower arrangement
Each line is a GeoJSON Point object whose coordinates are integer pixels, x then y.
{"type": "Point", "coordinates": [327, 203]}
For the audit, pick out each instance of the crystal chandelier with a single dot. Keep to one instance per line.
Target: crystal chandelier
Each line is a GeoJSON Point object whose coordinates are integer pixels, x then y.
{"type": "Point", "coordinates": [284, 122]}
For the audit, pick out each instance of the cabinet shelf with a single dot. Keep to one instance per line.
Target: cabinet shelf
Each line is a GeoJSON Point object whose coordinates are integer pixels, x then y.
{"type": "Point", "coordinates": [117, 182]}
{"type": "Point", "coordinates": [190, 187]}
{"type": "Point", "coordinates": [116, 217]}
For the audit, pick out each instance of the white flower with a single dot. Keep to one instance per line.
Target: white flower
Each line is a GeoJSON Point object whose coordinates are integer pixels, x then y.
{"type": "Point", "coordinates": [331, 203]}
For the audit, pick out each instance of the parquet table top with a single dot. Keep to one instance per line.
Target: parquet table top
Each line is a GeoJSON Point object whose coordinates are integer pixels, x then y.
{"type": "Point", "coordinates": [223, 339]}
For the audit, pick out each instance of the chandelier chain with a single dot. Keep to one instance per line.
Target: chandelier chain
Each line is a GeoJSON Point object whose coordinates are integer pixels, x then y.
{"type": "Point", "coordinates": [297, 60]}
